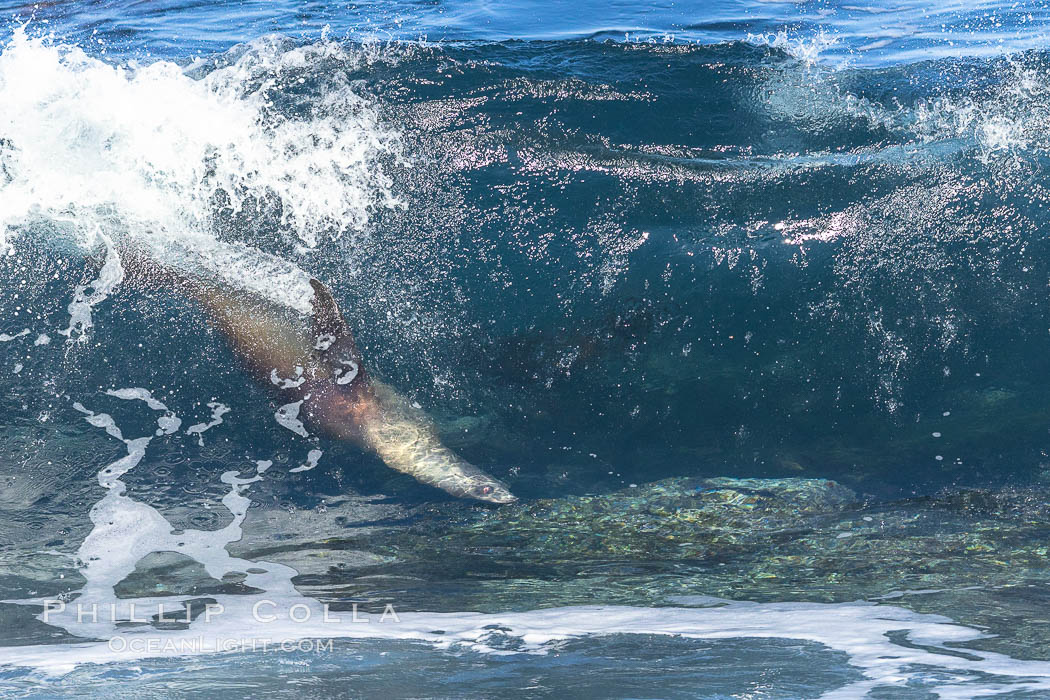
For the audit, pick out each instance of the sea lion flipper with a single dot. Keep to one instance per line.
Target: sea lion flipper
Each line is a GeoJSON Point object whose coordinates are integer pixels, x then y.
{"type": "Point", "coordinates": [327, 319]}
{"type": "Point", "coordinates": [331, 331]}
{"type": "Point", "coordinates": [334, 345]}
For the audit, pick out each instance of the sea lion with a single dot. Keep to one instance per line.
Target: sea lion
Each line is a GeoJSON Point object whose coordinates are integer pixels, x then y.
{"type": "Point", "coordinates": [316, 362]}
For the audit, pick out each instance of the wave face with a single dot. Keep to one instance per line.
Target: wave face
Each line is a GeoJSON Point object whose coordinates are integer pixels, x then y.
{"type": "Point", "coordinates": [748, 305]}
{"type": "Point", "coordinates": [739, 259]}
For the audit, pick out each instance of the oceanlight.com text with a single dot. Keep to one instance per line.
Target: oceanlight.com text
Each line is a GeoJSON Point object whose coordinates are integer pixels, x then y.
{"type": "Point", "coordinates": [204, 645]}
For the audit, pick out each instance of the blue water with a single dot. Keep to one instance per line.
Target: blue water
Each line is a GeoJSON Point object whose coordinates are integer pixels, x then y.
{"type": "Point", "coordinates": [612, 250]}
{"type": "Point", "coordinates": [868, 33]}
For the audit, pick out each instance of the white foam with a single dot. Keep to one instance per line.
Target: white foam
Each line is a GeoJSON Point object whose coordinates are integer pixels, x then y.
{"type": "Point", "coordinates": [291, 383]}
{"type": "Point", "coordinates": [1005, 122]}
{"type": "Point", "coordinates": [347, 373]}
{"type": "Point", "coordinates": [312, 459]}
{"type": "Point", "coordinates": [805, 48]}
{"type": "Point", "coordinates": [154, 144]}
{"type": "Point", "coordinates": [861, 630]}
{"type": "Point", "coordinates": [5, 338]}
{"type": "Point", "coordinates": [288, 416]}
{"type": "Point", "coordinates": [137, 393]}
{"type": "Point", "coordinates": [109, 277]}
{"type": "Point", "coordinates": [100, 420]}
{"type": "Point", "coordinates": [218, 410]}
{"type": "Point", "coordinates": [167, 424]}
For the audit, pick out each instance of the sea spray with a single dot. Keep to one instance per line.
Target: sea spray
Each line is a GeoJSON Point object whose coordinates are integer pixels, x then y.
{"type": "Point", "coordinates": [146, 150]}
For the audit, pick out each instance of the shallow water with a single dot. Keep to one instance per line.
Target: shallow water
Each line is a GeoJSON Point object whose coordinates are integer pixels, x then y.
{"type": "Point", "coordinates": [745, 301]}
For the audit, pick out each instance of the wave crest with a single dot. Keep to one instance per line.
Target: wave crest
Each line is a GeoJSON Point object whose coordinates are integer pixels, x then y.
{"type": "Point", "coordinates": [145, 148]}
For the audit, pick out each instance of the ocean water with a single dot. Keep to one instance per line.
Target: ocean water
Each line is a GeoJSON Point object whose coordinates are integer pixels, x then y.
{"type": "Point", "coordinates": [748, 303]}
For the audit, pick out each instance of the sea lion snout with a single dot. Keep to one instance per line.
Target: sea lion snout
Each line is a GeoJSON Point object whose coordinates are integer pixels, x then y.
{"type": "Point", "coordinates": [494, 492]}
{"type": "Point", "coordinates": [467, 481]}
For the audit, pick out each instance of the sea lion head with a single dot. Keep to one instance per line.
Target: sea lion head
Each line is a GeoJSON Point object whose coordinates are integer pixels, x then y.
{"type": "Point", "coordinates": [493, 491]}
{"type": "Point", "coordinates": [471, 482]}
{"type": "Point", "coordinates": [348, 404]}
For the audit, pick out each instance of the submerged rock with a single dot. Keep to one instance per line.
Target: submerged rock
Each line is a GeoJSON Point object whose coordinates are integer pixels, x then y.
{"type": "Point", "coordinates": [677, 518]}
{"type": "Point", "coordinates": [968, 554]}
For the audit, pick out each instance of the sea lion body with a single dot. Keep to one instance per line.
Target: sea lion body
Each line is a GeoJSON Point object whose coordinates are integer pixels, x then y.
{"type": "Point", "coordinates": [315, 362]}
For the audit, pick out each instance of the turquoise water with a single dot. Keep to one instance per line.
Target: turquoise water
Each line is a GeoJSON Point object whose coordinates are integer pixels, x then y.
{"type": "Point", "coordinates": [746, 302]}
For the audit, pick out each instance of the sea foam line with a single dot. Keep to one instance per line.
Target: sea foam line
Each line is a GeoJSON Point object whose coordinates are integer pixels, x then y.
{"type": "Point", "coordinates": [859, 629]}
